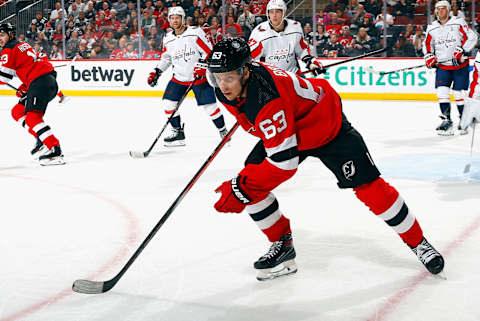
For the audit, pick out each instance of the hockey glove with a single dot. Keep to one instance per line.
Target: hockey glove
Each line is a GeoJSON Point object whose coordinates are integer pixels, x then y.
{"type": "Point", "coordinates": [314, 65]}
{"type": "Point", "coordinates": [233, 199]}
{"type": "Point", "coordinates": [21, 91]}
{"type": "Point", "coordinates": [430, 60]}
{"type": "Point", "coordinates": [200, 69]}
{"type": "Point", "coordinates": [471, 113]}
{"type": "Point", "coordinates": [458, 56]}
{"type": "Point", "coordinates": [153, 77]}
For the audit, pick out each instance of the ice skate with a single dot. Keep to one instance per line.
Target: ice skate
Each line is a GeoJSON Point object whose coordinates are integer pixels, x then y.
{"type": "Point", "coordinates": [446, 127]}
{"type": "Point", "coordinates": [62, 99]}
{"type": "Point", "coordinates": [53, 157]}
{"type": "Point", "coordinates": [462, 131]}
{"type": "Point", "coordinates": [429, 257]}
{"type": "Point", "coordinates": [38, 150]}
{"type": "Point", "coordinates": [176, 138]}
{"type": "Point", "coordinates": [278, 261]}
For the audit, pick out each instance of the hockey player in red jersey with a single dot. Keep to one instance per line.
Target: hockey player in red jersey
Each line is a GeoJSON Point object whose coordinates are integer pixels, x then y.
{"type": "Point", "coordinates": [296, 118]}
{"type": "Point", "coordinates": [61, 96]}
{"type": "Point", "coordinates": [38, 88]}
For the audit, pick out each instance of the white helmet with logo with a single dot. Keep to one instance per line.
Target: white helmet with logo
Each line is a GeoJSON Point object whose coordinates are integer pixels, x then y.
{"type": "Point", "coordinates": [442, 3]}
{"type": "Point", "coordinates": [176, 11]}
{"type": "Point", "coordinates": [276, 4]}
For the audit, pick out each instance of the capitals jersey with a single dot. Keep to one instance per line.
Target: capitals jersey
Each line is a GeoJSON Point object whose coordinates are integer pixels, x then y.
{"type": "Point", "coordinates": [19, 59]}
{"type": "Point", "coordinates": [289, 114]}
{"type": "Point", "coordinates": [183, 51]}
{"type": "Point", "coordinates": [441, 40]}
{"type": "Point", "coordinates": [474, 85]}
{"type": "Point", "coordinates": [279, 48]}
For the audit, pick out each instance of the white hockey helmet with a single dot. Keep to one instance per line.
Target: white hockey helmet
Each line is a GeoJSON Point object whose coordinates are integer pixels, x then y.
{"type": "Point", "coordinates": [176, 11]}
{"type": "Point", "coordinates": [443, 3]}
{"type": "Point", "coordinates": [276, 4]}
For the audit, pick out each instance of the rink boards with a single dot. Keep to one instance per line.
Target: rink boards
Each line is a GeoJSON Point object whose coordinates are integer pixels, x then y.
{"type": "Point", "coordinates": [353, 80]}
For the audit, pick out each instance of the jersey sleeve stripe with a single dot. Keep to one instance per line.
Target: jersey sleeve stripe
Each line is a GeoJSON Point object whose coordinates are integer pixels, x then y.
{"type": "Point", "coordinates": [287, 143]}
{"type": "Point", "coordinates": [257, 51]}
{"type": "Point", "coordinates": [428, 42]}
{"type": "Point", "coordinates": [464, 35]}
{"type": "Point", "coordinates": [203, 46]}
{"type": "Point", "coordinates": [6, 74]}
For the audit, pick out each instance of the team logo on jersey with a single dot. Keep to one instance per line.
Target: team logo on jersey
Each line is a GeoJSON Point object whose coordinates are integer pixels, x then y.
{"type": "Point", "coordinates": [348, 170]}
{"type": "Point", "coordinates": [4, 58]}
{"type": "Point", "coordinates": [252, 42]}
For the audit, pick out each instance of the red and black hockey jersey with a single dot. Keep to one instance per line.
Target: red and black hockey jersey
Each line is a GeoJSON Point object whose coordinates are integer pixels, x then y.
{"type": "Point", "coordinates": [19, 58]}
{"type": "Point", "coordinates": [289, 114]}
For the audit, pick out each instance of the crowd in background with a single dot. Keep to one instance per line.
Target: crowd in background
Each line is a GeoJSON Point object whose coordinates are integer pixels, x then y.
{"type": "Point", "coordinates": [101, 29]}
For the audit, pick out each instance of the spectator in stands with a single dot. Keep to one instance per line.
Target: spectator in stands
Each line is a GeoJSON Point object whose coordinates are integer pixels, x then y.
{"type": "Point", "coordinates": [357, 19]}
{"type": "Point", "coordinates": [55, 53]}
{"type": "Point", "coordinates": [149, 7]}
{"type": "Point", "coordinates": [403, 8]}
{"type": "Point", "coordinates": [58, 34]}
{"type": "Point", "coordinates": [223, 10]}
{"type": "Point", "coordinates": [39, 21]}
{"type": "Point", "coordinates": [156, 35]}
{"type": "Point", "coordinates": [147, 20]}
{"type": "Point", "coordinates": [363, 43]}
{"type": "Point", "coordinates": [259, 9]}
{"type": "Point", "coordinates": [368, 25]}
{"type": "Point", "coordinates": [343, 17]}
{"type": "Point", "coordinates": [43, 42]}
{"type": "Point", "coordinates": [417, 44]}
{"type": "Point", "coordinates": [373, 7]}
{"type": "Point", "coordinates": [98, 52]}
{"type": "Point", "coordinates": [201, 21]}
{"type": "Point", "coordinates": [109, 42]}
{"type": "Point", "coordinates": [321, 39]}
{"type": "Point", "coordinates": [190, 11]}
{"type": "Point", "coordinates": [74, 10]}
{"type": "Point", "coordinates": [379, 21]}
{"type": "Point", "coordinates": [246, 20]}
{"type": "Point", "coordinates": [32, 34]}
{"type": "Point", "coordinates": [322, 17]}
{"type": "Point", "coordinates": [38, 48]}
{"type": "Point", "coordinates": [72, 44]}
{"type": "Point", "coordinates": [232, 29]}
{"type": "Point", "coordinates": [404, 48]}
{"type": "Point", "coordinates": [352, 8]}
{"type": "Point", "coordinates": [334, 48]}
{"type": "Point", "coordinates": [90, 11]}
{"type": "Point", "coordinates": [215, 35]}
{"type": "Point", "coordinates": [118, 53]}
{"type": "Point", "coordinates": [333, 6]}
{"type": "Point", "coordinates": [346, 39]}
{"type": "Point", "coordinates": [55, 14]}
{"type": "Point", "coordinates": [82, 52]}
{"type": "Point", "coordinates": [333, 26]}
{"type": "Point", "coordinates": [121, 8]}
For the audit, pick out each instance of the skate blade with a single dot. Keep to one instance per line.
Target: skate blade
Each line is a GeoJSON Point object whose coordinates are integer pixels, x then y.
{"type": "Point", "coordinates": [177, 143]}
{"type": "Point", "coordinates": [462, 132]}
{"type": "Point", "coordinates": [53, 161]}
{"type": "Point", "coordinates": [444, 133]}
{"type": "Point", "coordinates": [285, 268]}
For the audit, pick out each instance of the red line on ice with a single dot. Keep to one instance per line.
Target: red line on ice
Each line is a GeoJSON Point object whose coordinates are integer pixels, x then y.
{"type": "Point", "coordinates": [132, 236]}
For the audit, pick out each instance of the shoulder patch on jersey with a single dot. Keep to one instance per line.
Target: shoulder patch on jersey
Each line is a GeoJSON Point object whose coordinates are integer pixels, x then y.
{"type": "Point", "coordinates": [261, 30]}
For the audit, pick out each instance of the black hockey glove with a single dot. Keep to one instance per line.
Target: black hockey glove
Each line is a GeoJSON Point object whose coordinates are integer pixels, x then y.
{"type": "Point", "coordinates": [314, 65]}
{"type": "Point", "coordinates": [153, 77]}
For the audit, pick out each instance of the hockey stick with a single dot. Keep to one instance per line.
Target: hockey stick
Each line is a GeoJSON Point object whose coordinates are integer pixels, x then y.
{"type": "Point", "coordinates": [382, 73]}
{"type": "Point", "coordinates": [67, 64]}
{"type": "Point", "coordinates": [368, 54]}
{"type": "Point", "coordinates": [145, 154]}
{"type": "Point", "coordinates": [97, 287]}
{"type": "Point", "coordinates": [469, 164]}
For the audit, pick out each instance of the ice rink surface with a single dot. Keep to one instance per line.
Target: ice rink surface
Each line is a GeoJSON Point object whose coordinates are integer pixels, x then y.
{"type": "Point", "coordinates": [85, 219]}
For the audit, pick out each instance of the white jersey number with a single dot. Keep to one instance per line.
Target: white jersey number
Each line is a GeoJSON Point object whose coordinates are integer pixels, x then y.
{"type": "Point", "coordinates": [268, 127]}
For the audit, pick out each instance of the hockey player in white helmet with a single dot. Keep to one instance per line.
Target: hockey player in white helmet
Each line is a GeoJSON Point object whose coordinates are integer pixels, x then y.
{"type": "Point", "coordinates": [183, 48]}
{"type": "Point", "coordinates": [279, 41]}
{"type": "Point", "coordinates": [446, 44]}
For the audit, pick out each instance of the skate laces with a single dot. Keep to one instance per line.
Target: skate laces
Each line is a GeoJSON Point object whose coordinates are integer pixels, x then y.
{"type": "Point", "coordinates": [425, 252]}
{"type": "Point", "coordinates": [274, 249]}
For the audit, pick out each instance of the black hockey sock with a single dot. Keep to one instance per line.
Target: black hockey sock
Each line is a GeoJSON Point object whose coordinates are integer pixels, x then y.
{"type": "Point", "coordinates": [219, 123]}
{"type": "Point", "coordinates": [460, 110]}
{"type": "Point", "coordinates": [445, 109]}
{"type": "Point", "coordinates": [175, 122]}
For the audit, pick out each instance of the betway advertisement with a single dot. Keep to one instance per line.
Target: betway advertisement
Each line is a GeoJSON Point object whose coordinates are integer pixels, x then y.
{"type": "Point", "coordinates": [359, 79]}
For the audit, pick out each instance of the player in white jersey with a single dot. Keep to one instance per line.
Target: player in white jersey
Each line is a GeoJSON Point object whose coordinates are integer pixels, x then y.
{"type": "Point", "coordinates": [279, 41]}
{"type": "Point", "coordinates": [447, 40]}
{"type": "Point", "coordinates": [183, 48]}
{"type": "Point", "coordinates": [471, 113]}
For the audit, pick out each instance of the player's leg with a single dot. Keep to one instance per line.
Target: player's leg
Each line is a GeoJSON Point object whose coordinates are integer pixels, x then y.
{"type": "Point", "coordinates": [347, 156]}
{"type": "Point", "coordinates": [18, 114]}
{"type": "Point", "coordinates": [460, 83]}
{"type": "Point", "coordinates": [279, 259]}
{"type": "Point", "coordinates": [173, 94]}
{"type": "Point", "coordinates": [205, 96]}
{"type": "Point", "coordinates": [41, 91]}
{"type": "Point", "coordinates": [443, 80]}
